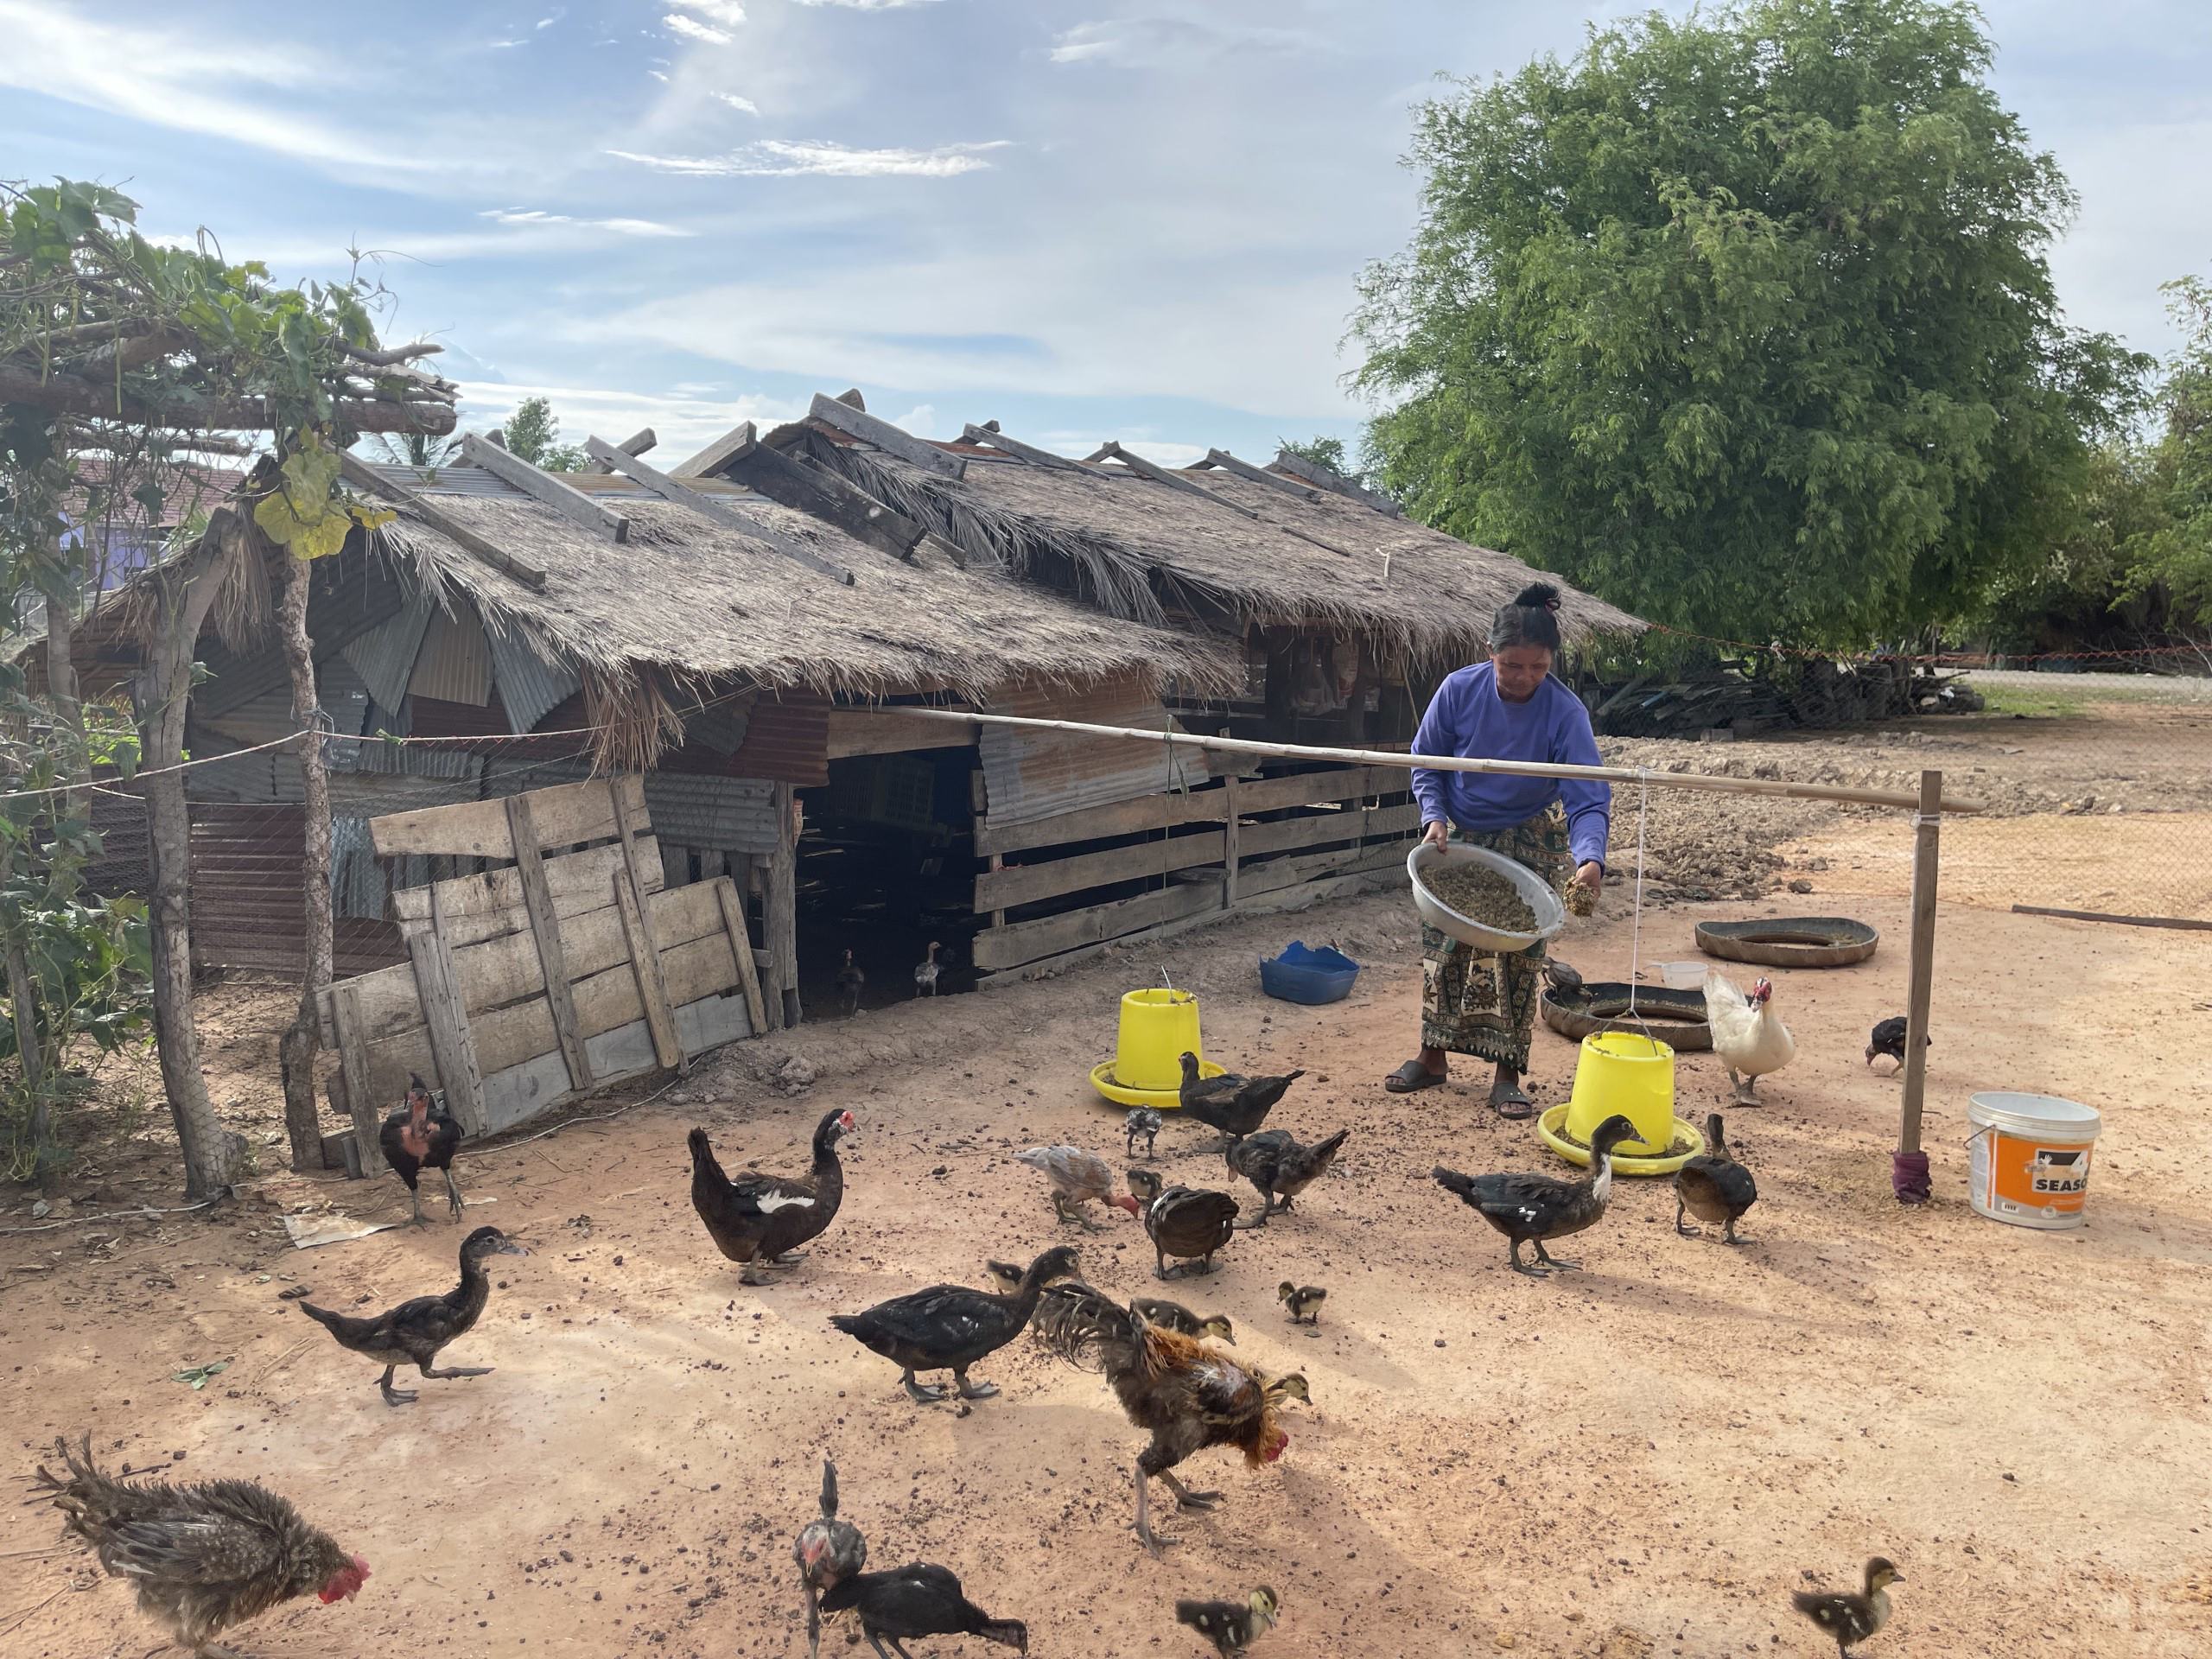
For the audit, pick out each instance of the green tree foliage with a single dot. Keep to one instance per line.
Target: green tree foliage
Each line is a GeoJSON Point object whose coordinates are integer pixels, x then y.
{"type": "Point", "coordinates": [2175, 552]}
{"type": "Point", "coordinates": [533, 432]}
{"type": "Point", "coordinates": [1743, 321]}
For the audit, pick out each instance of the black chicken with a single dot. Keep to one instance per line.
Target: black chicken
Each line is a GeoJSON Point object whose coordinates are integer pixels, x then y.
{"type": "Point", "coordinates": [1530, 1208]}
{"type": "Point", "coordinates": [203, 1557]}
{"type": "Point", "coordinates": [421, 1134]}
{"type": "Point", "coordinates": [765, 1219]}
{"type": "Point", "coordinates": [413, 1332]}
{"type": "Point", "coordinates": [829, 1551]}
{"type": "Point", "coordinates": [1191, 1222]}
{"type": "Point", "coordinates": [1273, 1161]}
{"type": "Point", "coordinates": [950, 1327]}
{"type": "Point", "coordinates": [919, 1599]}
{"type": "Point", "coordinates": [1887, 1038]}
{"type": "Point", "coordinates": [1235, 1105]}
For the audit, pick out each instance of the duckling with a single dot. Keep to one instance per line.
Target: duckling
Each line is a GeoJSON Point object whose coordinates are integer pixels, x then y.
{"type": "Point", "coordinates": [1232, 1627]}
{"type": "Point", "coordinates": [1293, 1387]}
{"type": "Point", "coordinates": [1185, 1221]}
{"type": "Point", "coordinates": [851, 982]}
{"type": "Point", "coordinates": [1173, 1316]}
{"type": "Point", "coordinates": [1530, 1208]}
{"type": "Point", "coordinates": [1304, 1301]}
{"type": "Point", "coordinates": [1713, 1187]}
{"type": "Point", "coordinates": [1142, 1121]}
{"type": "Point", "coordinates": [413, 1332]}
{"type": "Point", "coordinates": [1849, 1618]}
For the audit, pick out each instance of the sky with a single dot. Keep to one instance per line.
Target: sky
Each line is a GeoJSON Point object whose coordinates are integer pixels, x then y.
{"type": "Point", "coordinates": [1139, 220]}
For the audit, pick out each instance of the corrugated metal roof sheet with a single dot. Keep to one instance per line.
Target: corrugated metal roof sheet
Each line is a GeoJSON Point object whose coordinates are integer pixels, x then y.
{"type": "Point", "coordinates": [386, 655]}
{"type": "Point", "coordinates": [529, 685]}
{"type": "Point", "coordinates": [446, 481]}
{"type": "Point", "coordinates": [1031, 775]}
{"type": "Point", "coordinates": [454, 663]}
{"type": "Point", "coordinates": [732, 814]}
{"type": "Point", "coordinates": [787, 740]}
{"type": "Point", "coordinates": [720, 725]}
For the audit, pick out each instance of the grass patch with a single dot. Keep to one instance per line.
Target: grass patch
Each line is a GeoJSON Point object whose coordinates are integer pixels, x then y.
{"type": "Point", "coordinates": [2034, 702]}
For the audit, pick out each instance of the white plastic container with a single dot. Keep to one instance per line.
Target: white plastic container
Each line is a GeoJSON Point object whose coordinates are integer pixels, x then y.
{"type": "Point", "coordinates": [2028, 1162]}
{"type": "Point", "coordinates": [1682, 975]}
{"type": "Point", "coordinates": [1545, 904]}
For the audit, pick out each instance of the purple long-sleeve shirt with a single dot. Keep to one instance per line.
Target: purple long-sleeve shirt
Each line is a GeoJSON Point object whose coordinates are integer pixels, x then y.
{"type": "Point", "coordinates": [1467, 717]}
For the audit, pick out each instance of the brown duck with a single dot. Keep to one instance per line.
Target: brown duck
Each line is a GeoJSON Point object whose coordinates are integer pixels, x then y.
{"type": "Point", "coordinates": [1187, 1221]}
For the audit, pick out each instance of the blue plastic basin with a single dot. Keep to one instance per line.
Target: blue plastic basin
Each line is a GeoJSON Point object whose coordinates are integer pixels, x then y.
{"type": "Point", "coordinates": [1301, 974]}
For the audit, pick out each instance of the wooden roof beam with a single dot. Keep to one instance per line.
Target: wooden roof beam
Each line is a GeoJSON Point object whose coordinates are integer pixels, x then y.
{"type": "Point", "coordinates": [564, 498]}
{"type": "Point", "coordinates": [1335, 483]}
{"type": "Point", "coordinates": [636, 444]}
{"type": "Point", "coordinates": [1160, 474]}
{"type": "Point", "coordinates": [869, 429]}
{"type": "Point", "coordinates": [738, 440]}
{"type": "Point", "coordinates": [1227, 462]}
{"type": "Point", "coordinates": [361, 475]}
{"type": "Point", "coordinates": [989, 433]}
{"type": "Point", "coordinates": [708, 507]}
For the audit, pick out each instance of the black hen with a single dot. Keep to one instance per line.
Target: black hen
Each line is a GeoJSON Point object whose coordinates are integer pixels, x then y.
{"type": "Point", "coordinates": [829, 1551]}
{"type": "Point", "coordinates": [1887, 1038]}
{"type": "Point", "coordinates": [1235, 1105]}
{"type": "Point", "coordinates": [413, 1332]}
{"type": "Point", "coordinates": [920, 1599]}
{"type": "Point", "coordinates": [421, 1134]}
{"type": "Point", "coordinates": [950, 1327]}
{"type": "Point", "coordinates": [1273, 1161]}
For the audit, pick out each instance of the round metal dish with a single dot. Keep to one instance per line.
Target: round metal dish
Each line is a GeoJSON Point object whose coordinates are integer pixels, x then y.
{"type": "Point", "coordinates": [1547, 905]}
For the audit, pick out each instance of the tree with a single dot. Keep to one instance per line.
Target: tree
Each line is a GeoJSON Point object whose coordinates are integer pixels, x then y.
{"type": "Point", "coordinates": [1331, 453]}
{"type": "Point", "coordinates": [110, 343]}
{"type": "Point", "coordinates": [1743, 319]}
{"type": "Point", "coordinates": [533, 434]}
{"type": "Point", "coordinates": [2175, 553]}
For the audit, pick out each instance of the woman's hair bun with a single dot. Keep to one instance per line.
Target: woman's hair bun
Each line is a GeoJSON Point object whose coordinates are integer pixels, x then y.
{"type": "Point", "coordinates": [1538, 594]}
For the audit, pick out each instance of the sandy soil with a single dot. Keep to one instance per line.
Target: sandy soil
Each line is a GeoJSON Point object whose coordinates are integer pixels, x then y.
{"type": "Point", "coordinates": [1644, 1457]}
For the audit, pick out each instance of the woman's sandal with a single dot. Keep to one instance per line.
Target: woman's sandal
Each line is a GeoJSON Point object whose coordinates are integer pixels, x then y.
{"type": "Point", "coordinates": [1514, 1105]}
{"type": "Point", "coordinates": [1412, 1078]}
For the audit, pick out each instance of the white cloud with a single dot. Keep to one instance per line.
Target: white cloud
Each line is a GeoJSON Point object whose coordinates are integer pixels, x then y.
{"type": "Point", "coordinates": [724, 12]}
{"type": "Point", "coordinates": [548, 22]}
{"type": "Point", "coordinates": [780, 158]}
{"type": "Point", "coordinates": [867, 5]}
{"type": "Point", "coordinates": [521, 218]}
{"type": "Point", "coordinates": [743, 105]}
{"type": "Point", "coordinates": [683, 424]}
{"type": "Point", "coordinates": [659, 75]}
{"type": "Point", "coordinates": [1169, 42]}
{"type": "Point", "coordinates": [922, 422]}
{"type": "Point", "coordinates": [691, 29]}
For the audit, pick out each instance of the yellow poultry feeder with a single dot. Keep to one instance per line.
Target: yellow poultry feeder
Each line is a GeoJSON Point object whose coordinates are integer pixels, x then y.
{"type": "Point", "coordinates": [1631, 1073]}
{"type": "Point", "coordinates": [1158, 1026]}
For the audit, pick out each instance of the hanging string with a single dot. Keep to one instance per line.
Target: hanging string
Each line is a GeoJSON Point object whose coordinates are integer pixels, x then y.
{"type": "Point", "coordinates": [1636, 915]}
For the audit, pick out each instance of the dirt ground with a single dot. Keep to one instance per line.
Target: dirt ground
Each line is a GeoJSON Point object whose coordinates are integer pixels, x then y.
{"type": "Point", "coordinates": [1642, 1458]}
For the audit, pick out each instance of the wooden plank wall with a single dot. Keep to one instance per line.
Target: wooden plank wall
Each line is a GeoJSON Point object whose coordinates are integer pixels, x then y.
{"type": "Point", "coordinates": [550, 977]}
{"type": "Point", "coordinates": [1243, 843]}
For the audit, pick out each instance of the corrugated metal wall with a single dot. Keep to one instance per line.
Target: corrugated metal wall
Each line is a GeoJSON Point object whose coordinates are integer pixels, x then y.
{"type": "Point", "coordinates": [455, 663]}
{"type": "Point", "coordinates": [1032, 775]}
{"type": "Point", "coordinates": [530, 686]}
{"type": "Point", "coordinates": [734, 814]}
{"type": "Point", "coordinates": [787, 740]}
{"type": "Point", "coordinates": [248, 909]}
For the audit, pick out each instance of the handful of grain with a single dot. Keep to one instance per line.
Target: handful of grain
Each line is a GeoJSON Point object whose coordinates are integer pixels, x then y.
{"type": "Point", "coordinates": [1581, 901]}
{"type": "Point", "coordinates": [1482, 895]}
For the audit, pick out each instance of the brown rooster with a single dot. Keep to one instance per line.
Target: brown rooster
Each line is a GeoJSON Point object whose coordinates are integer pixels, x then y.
{"type": "Point", "coordinates": [202, 1557]}
{"type": "Point", "coordinates": [1188, 1393]}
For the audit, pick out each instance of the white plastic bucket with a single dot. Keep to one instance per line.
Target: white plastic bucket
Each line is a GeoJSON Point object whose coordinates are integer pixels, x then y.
{"type": "Point", "coordinates": [1682, 975]}
{"type": "Point", "coordinates": [2028, 1162]}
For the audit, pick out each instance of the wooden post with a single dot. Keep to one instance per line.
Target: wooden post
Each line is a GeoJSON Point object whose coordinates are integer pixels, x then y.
{"type": "Point", "coordinates": [353, 1066]}
{"type": "Point", "coordinates": [450, 1044]}
{"type": "Point", "coordinates": [740, 947]}
{"type": "Point", "coordinates": [1228, 849]}
{"type": "Point", "coordinates": [1928, 828]}
{"type": "Point", "coordinates": [644, 962]}
{"type": "Point", "coordinates": [998, 862]}
{"type": "Point", "coordinates": [782, 929]}
{"type": "Point", "coordinates": [545, 928]}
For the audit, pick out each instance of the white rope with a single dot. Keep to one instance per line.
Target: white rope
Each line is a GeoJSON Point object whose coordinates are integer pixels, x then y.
{"type": "Point", "coordinates": [1636, 915]}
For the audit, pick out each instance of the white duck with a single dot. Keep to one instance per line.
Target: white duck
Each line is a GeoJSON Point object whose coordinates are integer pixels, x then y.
{"type": "Point", "coordinates": [1747, 1034]}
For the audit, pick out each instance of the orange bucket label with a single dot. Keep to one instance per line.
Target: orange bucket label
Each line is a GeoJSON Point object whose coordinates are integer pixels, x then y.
{"type": "Point", "coordinates": [2036, 1176]}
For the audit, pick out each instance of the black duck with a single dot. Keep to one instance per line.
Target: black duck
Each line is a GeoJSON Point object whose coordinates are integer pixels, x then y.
{"type": "Point", "coordinates": [1529, 1208]}
{"type": "Point", "coordinates": [413, 1332]}
{"type": "Point", "coordinates": [1185, 1221]}
{"type": "Point", "coordinates": [950, 1327]}
{"type": "Point", "coordinates": [1713, 1187]}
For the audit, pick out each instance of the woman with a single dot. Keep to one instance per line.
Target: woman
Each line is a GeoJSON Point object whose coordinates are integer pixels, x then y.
{"type": "Point", "coordinates": [1477, 1003]}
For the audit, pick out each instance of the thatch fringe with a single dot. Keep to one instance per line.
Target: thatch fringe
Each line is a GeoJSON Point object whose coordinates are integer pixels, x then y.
{"type": "Point", "coordinates": [631, 719]}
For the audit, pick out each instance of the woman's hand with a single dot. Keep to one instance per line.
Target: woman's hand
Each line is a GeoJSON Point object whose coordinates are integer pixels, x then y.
{"type": "Point", "coordinates": [1435, 832]}
{"type": "Point", "coordinates": [1589, 875]}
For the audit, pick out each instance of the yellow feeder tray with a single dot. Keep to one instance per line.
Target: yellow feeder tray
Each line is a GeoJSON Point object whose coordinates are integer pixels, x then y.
{"type": "Point", "coordinates": [1170, 1100]}
{"type": "Point", "coordinates": [1686, 1145]}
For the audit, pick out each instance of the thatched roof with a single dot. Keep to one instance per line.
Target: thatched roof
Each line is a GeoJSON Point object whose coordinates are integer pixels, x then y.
{"type": "Point", "coordinates": [1144, 550]}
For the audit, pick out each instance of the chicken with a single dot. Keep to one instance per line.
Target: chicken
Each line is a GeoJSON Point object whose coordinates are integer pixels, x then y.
{"type": "Point", "coordinates": [1273, 1161]}
{"type": "Point", "coordinates": [1302, 1302]}
{"type": "Point", "coordinates": [1187, 1221]}
{"type": "Point", "coordinates": [1747, 1034]}
{"type": "Point", "coordinates": [829, 1551]}
{"type": "Point", "coordinates": [920, 1599]}
{"type": "Point", "coordinates": [1887, 1038]}
{"type": "Point", "coordinates": [1849, 1617]}
{"type": "Point", "coordinates": [950, 1327]}
{"type": "Point", "coordinates": [927, 972]}
{"type": "Point", "coordinates": [204, 1557]}
{"type": "Point", "coordinates": [1529, 1208]}
{"type": "Point", "coordinates": [765, 1219]}
{"type": "Point", "coordinates": [413, 1332]}
{"type": "Point", "coordinates": [418, 1136]}
{"type": "Point", "coordinates": [1235, 1105]}
{"type": "Point", "coordinates": [1186, 1394]}
{"type": "Point", "coordinates": [1143, 1121]}
{"type": "Point", "coordinates": [1232, 1626]}
{"type": "Point", "coordinates": [851, 982]}
{"type": "Point", "coordinates": [1077, 1178]}
{"type": "Point", "coordinates": [1713, 1187]}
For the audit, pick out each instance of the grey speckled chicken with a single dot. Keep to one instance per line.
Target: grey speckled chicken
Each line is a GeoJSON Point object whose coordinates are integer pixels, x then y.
{"type": "Point", "coordinates": [1076, 1178]}
{"type": "Point", "coordinates": [204, 1557]}
{"type": "Point", "coordinates": [413, 1332]}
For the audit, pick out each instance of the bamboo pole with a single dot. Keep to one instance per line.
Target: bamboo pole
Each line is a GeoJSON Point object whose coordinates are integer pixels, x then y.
{"type": "Point", "coordinates": [1460, 763]}
{"type": "Point", "coordinates": [1928, 828]}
